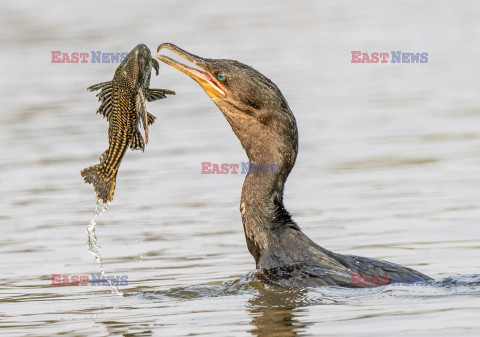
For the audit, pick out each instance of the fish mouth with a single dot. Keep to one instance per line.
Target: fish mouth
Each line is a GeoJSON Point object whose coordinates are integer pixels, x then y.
{"type": "Point", "coordinates": [202, 75]}
{"type": "Point", "coordinates": [141, 49]}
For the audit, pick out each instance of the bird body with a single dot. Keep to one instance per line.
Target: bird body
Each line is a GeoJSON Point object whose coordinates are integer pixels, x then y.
{"type": "Point", "coordinates": [263, 122]}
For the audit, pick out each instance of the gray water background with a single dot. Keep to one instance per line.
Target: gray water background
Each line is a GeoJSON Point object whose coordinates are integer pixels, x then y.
{"type": "Point", "coordinates": [388, 167]}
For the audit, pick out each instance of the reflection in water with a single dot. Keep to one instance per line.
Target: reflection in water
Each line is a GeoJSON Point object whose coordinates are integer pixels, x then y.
{"type": "Point", "coordinates": [125, 328]}
{"type": "Point", "coordinates": [274, 312]}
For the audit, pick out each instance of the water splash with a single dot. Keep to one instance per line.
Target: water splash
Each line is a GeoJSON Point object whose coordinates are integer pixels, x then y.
{"type": "Point", "coordinates": [268, 296]}
{"type": "Point", "coordinates": [94, 248]}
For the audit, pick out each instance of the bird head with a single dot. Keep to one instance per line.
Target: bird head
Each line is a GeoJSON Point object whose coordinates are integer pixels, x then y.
{"type": "Point", "coordinates": [253, 105]}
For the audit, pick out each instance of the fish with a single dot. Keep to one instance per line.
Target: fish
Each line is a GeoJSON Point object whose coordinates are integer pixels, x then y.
{"type": "Point", "coordinates": [123, 104]}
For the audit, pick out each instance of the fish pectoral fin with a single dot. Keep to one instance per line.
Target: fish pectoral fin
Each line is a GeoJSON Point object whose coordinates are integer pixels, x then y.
{"type": "Point", "coordinates": [137, 142]}
{"type": "Point", "coordinates": [142, 112]}
{"type": "Point", "coordinates": [155, 65]}
{"type": "Point", "coordinates": [104, 96]}
{"type": "Point", "coordinates": [151, 118]}
{"type": "Point", "coordinates": [99, 86]}
{"type": "Point", "coordinates": [154, 94]}
{"type": "Point", "coordinates": [141, 108]}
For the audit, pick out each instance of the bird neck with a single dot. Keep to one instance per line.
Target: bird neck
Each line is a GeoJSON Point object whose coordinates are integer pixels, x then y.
{"type": "Point", "coordinates": [271, 144]}
{"type": "Point", "coordinates": [261, 205]}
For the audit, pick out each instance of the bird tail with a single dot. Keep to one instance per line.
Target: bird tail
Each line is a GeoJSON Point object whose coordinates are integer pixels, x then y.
{"type": "Point", "coordinates": [103, 187]}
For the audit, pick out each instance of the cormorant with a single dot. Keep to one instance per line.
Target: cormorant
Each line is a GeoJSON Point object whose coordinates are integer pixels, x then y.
{"type": "Point", "coordinates": [263, 122]}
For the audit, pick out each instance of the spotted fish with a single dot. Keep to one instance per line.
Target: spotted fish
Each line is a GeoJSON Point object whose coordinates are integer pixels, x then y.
{"type": "Point", "coordinates": [123, 104]}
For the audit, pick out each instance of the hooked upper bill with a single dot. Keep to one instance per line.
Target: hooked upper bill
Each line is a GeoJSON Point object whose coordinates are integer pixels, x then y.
{"type": "Point", "coordinates": [202, 76]}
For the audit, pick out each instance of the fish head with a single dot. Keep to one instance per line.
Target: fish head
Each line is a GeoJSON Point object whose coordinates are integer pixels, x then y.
{"type": "Point", "coordinates": [135, 69]}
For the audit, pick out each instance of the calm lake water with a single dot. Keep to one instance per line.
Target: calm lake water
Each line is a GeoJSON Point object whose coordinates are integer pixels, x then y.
{"type": "Point", "coordinates": [389, 167]}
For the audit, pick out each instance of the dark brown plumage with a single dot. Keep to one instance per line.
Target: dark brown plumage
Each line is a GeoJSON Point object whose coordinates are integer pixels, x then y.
{"type": "Point", "coordinates": [263, 122]}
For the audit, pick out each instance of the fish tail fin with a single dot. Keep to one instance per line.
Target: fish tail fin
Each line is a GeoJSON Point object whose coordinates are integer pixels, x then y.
{"type": "Point", "coordinates": [104, 187]}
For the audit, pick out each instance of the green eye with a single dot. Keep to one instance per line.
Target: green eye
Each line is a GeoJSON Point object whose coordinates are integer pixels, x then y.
{"type": "Point", "coordinates": [221, 76]}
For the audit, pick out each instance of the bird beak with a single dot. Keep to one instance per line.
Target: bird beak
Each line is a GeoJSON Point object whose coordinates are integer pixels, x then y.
{"type": "Point", "coordinates": [202, 76]}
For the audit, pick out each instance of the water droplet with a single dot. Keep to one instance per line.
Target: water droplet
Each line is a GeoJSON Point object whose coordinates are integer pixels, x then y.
{"type": "Point", "coordinates": [93, 247]}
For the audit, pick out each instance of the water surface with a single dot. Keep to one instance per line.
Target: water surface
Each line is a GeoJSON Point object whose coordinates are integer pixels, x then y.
{"type": "Point", "coordinates": [388, 167]}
